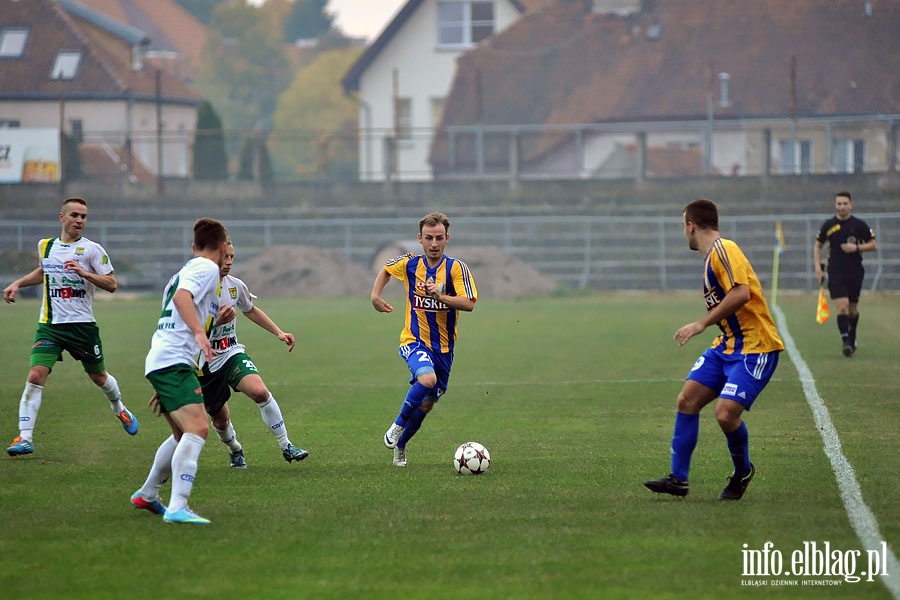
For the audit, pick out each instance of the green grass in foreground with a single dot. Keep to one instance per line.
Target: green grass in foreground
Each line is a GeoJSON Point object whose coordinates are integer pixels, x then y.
{"type": "Point", "coordinates": [575, 398]}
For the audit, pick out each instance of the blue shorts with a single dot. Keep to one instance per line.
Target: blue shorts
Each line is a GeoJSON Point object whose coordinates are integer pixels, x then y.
{"type": "Point", "coordinates": [738, 377]}
{"type": "Point", "coordinates": [421, 359]}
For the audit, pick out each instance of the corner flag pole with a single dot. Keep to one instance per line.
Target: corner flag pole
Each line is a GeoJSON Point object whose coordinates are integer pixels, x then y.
{"type": "Point", "coordinates": [776, 259]}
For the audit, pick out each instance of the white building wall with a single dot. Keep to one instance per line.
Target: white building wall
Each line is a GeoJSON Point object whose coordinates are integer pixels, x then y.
{"type": "Point", "coordinates": [424, 72]}
{"type": "Point", "coordinates": [111, 122]}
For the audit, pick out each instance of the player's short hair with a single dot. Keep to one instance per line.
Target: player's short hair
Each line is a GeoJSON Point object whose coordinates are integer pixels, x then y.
{"type": "Point", "coordinates": [434, 218]}
{"type": "Point", "coordinates": [844, 194]}
{"type": "Point", "coordinates": [703, 213]}
{"type": "Point", "coordinates": [209, 233]}
{"type": "Point", "coordinates": [72, 199]}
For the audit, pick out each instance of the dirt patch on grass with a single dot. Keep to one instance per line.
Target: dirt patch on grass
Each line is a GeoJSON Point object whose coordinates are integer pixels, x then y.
{"type": "Point", "coordinates": [307, 272]}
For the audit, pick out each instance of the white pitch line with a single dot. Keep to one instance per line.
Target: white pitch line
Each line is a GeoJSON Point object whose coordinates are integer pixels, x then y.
{"type": "Point", "coordinates": [861, 517]}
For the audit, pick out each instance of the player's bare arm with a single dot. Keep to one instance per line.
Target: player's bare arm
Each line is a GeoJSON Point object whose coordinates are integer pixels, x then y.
{"type": "Point", "coordinates": [107, 283]}
{"type": "Point", "coordinates": [381, 280]}
{"type": "Point", "coordinates": [226, 314]}
{"type": "Point", "coordinates": [817, 262]}
{"type": "Point", "coordinates": [455, 302]}
{"type": "Point", "coordinates": [154, 404]}
{"type": "Point", "coordinates": [736, 297]}
{"type": "Point", "coordinates": [36, 277]}
{"type": "Point", "coordinates": [259, 317]}
{"type": "Point", "coordinates": [184, 304]}
{"type": "Point", "coordinates": [852, 248]}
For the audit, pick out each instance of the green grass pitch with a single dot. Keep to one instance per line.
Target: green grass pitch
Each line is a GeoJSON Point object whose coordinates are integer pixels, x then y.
{"type": "Point", "coordinates": [573, 396]}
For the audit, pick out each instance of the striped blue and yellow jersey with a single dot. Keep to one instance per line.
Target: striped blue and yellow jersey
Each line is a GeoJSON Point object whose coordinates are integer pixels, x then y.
{"type": "Point", "coordinates": [750, 330]}
{"type": "Point", "coordinates": [428, 321]}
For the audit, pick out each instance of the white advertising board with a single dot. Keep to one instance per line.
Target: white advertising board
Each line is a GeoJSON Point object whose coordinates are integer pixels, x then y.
{"type": "Point", "coordinates": [29, 155]}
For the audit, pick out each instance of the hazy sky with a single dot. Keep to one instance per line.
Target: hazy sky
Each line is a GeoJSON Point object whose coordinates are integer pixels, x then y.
{"type": "Point", "coordinates": [364, 18]}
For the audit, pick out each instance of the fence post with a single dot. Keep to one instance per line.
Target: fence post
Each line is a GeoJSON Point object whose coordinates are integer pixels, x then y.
{"type": "Point", "coordinates": [514, 183]}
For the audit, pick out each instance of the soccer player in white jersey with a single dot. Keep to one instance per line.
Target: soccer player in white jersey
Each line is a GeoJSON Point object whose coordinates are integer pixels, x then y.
{"type": "Point", "coordinates": [231, 368]}
{"type": "Point", "coordinates": [70, 268]}
{"type": "Point", "coordinates": [189, 307]}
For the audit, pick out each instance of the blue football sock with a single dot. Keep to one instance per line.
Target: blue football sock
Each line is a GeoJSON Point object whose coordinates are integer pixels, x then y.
{"type": "Point", "coordinates": [684, 440]}
{"type": "Point", "coordinates": [413, 423]}
{"type": "Point", "coordinates": [739, 446]}
{"type": "Point", "coordinates": [414, 398]}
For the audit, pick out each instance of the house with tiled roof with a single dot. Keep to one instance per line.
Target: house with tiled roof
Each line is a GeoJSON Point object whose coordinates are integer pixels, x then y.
{"type": "Point", "coordinates": [177, 38]}
{"type": "Point", "coordinates": [403, 77]}
{"type": "Point", "coordinates": [65, 65]}
{"type": "Point", "coordinates": [586, 89]}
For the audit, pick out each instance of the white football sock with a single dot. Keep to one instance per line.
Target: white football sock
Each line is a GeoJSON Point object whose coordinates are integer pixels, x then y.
{"type": "Point", "coordinates": [184, 469]}
{"type": "Point", "coordinates": [229, 438]}
{"type": "Point", "coordinates": [29, 405]}
{"type": "Point", "coordinates": [271, 416]}
{"type": "Point", "coordinates": [111, 390]}
{"type": "Point", "coordinates": [161, 469]}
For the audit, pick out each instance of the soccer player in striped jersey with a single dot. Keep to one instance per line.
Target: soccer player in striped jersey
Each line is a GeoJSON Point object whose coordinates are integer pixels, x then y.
{"type": "Point", "coordinates": [737, 366]}
{"type": "Point", "coordinates": [438, 287]}
{"type": "Point", "coordinates": [70, 268]}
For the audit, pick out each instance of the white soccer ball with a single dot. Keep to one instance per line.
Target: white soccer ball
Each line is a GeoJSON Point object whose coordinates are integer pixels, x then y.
{"type": "Point", "coordinates": [471, 458]}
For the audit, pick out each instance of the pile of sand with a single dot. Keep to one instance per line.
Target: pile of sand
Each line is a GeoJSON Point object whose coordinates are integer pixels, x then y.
{"type": "Point", "coordinates": [303, 272]}
{"type": "Point", "coordinates": [307, 272]}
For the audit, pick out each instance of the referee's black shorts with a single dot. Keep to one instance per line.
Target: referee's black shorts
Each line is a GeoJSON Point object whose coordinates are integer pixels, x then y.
{"type": "Point", "coordinates": [845, 285]}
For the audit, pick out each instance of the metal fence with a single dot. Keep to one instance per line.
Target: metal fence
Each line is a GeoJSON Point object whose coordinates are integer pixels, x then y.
{"type": "Point", "coordinates": [595, 253]}
{"type": "Point", "coordinates": [648, 150]}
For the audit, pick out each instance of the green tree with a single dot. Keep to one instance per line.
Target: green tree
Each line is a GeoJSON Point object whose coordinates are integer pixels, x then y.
{"type": "Point", "coordinates": [73, 168]}
{"type": "Point", "coordinates": [245, 67]}
{"type": "Point", "coordinates": [315, 125]}
{"type": "Point", "coordinates": [210, 158]}
{"type": "Point", "coordinates": [201, 9]}
{"type": "Point", "coordinates": [255, 164]}
{"type": "Point", "coordinates": [307, 19]}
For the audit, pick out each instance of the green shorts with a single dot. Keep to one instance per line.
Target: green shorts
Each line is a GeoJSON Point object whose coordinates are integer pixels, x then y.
{"type": "Point", "coordinates": [80, 340]}
{"type": "Point", "coordinates": [177, 386]}
{"type": "Point", "coordinates": [217, 386]}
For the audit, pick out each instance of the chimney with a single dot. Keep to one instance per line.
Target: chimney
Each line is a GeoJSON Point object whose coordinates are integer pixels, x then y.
{"type": "Point", "coordinates": [619, 8]}
{"type": "Point", "coordinates": [724, 91]}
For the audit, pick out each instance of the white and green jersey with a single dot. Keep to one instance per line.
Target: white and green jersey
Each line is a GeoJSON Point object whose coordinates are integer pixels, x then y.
{"type": "Point", "coordinates": [172, 342]}
{"type": "Point", "coordinates": [68, 297]}
{"type": "Point", "coordinates": [223, 338]}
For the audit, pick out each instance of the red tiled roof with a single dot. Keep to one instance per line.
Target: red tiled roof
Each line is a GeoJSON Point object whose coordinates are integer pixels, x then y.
{"type": "Point", "coordinates": [662, 162]}
{"type": "Point", "coordinates": [105, 68]}
{"type": "Point", "coordinates": [564, 65]}
{"type": "Point", "coordinates": [104, 162]}
{"type": "Point", "coordinates": [169, 25]}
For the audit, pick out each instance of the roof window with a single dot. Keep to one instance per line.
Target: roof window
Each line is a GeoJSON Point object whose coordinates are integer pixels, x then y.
{"type": "Point", "coordinates": [12, 42]}
{"type": "Point", "coordinates": [66, 64]}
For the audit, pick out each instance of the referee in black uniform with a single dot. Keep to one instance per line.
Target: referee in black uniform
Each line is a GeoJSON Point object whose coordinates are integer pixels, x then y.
{"type": "Point", "coordinates": [847, 238]}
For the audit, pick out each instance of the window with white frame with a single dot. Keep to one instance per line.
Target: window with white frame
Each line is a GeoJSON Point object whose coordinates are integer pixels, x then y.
{"type": "Point", "coordinates": [848, 155]}
{"type": "Point", "coordinates": [12, 42]}
{"type": "Point", "coordinates": [464, 24]}
{"type": "Point", "coordinates": [66, 64]}
{"type": "Point", "coordinates": [796, 157]}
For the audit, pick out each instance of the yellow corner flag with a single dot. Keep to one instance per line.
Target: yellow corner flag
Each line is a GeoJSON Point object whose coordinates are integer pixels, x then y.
{"type": "Point", "coordinates": [776, 259]}
{"type": "Point", "coordinates": [822, 312]}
